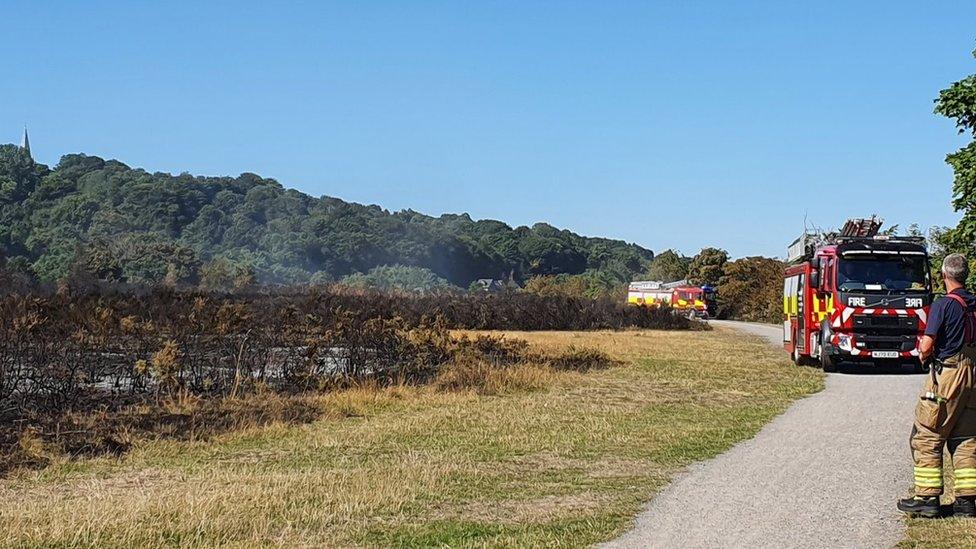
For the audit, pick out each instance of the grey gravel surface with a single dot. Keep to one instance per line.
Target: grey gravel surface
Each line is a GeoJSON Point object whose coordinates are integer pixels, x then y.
{"type": "Point", "coordinates": [824, 474]}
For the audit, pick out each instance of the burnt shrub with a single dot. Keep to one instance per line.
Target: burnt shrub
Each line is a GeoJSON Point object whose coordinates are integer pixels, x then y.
{"type": "Point", "coordinates": [59, 350]}
{"type": "Point", "coordinates": [139, 360]}
{"type": "Point", "coordinates": [507, 311]}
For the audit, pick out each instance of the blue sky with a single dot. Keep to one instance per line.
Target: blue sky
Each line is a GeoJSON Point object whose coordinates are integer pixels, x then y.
{"type": "Point", "coordinates": [670, 124]}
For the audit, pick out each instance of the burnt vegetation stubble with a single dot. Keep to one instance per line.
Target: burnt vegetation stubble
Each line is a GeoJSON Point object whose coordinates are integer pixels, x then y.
{"type": "Point", "coordinates": [89, 374]}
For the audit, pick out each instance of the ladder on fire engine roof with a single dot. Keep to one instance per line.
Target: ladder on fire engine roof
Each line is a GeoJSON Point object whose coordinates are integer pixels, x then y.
{"type": "Point", "coordinates": [864, 228]}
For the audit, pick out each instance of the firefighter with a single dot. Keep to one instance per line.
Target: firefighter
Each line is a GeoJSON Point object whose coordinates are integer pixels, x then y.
{"type": "Point", "coordinates": [945, 415]}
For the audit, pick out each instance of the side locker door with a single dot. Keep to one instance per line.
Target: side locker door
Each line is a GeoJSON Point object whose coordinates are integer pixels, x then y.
{"type": "Point", "coordinates": [801, 312]}
{"type": "Point", "coordinates": [787, 301]}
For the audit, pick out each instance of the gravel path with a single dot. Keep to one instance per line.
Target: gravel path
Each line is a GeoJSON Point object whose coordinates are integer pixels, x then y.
{"type": "Point", "coordinates": [824, 474]}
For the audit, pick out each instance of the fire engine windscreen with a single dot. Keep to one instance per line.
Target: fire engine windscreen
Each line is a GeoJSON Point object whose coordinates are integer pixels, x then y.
{"type": "Point", "coordinates": [891, 273]}
{"type": "Point", "coordinates": [690, 295]}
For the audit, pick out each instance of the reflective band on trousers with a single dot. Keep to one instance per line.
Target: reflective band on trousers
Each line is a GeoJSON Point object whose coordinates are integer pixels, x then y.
{"type": "Point", "coordinates": [933, 471]}
{"type": "Point", "coordinates": [965, 478]}
{"type": "Point", "coordinates": [931, 477]}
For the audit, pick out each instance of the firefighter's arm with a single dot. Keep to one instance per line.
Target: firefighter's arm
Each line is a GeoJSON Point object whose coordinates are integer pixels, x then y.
{"type": "Point", "coordinates": [925, 346]}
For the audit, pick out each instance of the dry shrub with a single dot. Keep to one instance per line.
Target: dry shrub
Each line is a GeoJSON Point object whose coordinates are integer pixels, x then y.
{"type": "Point", "coordinates": [166, 367]}
{"type": "Point", "coordinates": [578, 359]}
{"type": "Point", "coordinates": [33, 447]}
{"type": "Point", "coordinates": [356, 401]}
{"type": "Point", "coordinates": [114, 431]}
{"type": "Point", "coordinates": [129, 324]}
{"type": "Point", "coordinates": [497, 350]}
{"type": "Point", "coordinates": [520, 378]}
{"type": "Point", "coordinates": [28, 449]}
{"type": "Point", "coordinates": [464, 373]}
{"type": "Point", "coordinates": [473, 375]}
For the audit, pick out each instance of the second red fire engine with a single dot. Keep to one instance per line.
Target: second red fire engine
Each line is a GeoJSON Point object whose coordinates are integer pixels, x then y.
{"type": "Point", "coordinates": [855, 297]}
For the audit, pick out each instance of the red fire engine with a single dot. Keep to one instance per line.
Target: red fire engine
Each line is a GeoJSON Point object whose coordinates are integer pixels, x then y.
{"type": "Point", "coordinates": [855, 297]}
{"type": "Point", "coordinates": [682, 296]}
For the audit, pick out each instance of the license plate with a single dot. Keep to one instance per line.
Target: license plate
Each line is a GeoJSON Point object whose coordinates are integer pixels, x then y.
{"type": "Point", "coordinates": [885, 354]}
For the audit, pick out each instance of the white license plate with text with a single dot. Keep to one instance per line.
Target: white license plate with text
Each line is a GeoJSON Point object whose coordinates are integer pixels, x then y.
{"type": "Point", "coordinates": [885, 354]}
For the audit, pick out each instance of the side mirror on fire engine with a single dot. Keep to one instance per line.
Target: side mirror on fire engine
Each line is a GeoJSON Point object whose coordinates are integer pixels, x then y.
{"type": "Point", "coordinates": [815, 279]}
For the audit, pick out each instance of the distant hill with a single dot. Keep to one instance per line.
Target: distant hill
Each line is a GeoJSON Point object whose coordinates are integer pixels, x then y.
{"type": "Point", "coordinates": [123, 224]}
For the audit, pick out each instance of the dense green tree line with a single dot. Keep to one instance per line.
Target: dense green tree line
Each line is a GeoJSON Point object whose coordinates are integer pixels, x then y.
{"type": "Point", "coordinates": [103, 219]}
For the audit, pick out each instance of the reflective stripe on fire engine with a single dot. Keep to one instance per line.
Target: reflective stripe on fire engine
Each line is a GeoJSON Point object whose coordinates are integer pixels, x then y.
{"type": "Point", "coordinates": [848, 311]}
{"type": "Point", "coordinates": [823, 306]}
{"type": "Point", "coordinates": [791, 305]}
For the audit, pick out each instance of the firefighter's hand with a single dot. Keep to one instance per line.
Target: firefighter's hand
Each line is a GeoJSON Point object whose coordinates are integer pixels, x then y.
{"type": "Point", "coordinates": [928, 363]}
{"type": "Point", "coordinates": [926, 346]}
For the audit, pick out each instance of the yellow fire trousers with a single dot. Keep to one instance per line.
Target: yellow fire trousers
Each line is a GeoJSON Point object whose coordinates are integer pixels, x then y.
{"type": "Point", "coordinates": [945, 416]}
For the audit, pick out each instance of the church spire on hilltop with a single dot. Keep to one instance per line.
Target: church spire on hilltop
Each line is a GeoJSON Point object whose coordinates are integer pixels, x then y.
{"type": "Point", "coordinates": [25, 144]}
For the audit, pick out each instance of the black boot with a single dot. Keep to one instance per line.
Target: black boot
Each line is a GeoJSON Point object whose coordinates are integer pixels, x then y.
{"type": "Point", "coordinates": [922, 506]}
{"type": "Point", "coordinates": [964, 506]}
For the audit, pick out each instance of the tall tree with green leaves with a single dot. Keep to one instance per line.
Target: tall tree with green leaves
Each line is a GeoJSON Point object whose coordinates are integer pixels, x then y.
{"type": "Point", "coordinates": [958, 102]}
{"type": "Point", "coordinates": [706, 267]}
{"type": "Point", "coordinates": [751, 289]}
{"type": "Point", "coordinates": [668, 266]}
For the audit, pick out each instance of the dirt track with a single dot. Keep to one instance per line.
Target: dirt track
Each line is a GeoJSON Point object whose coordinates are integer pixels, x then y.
{"type": "Point", "coordinates": [824, 474]}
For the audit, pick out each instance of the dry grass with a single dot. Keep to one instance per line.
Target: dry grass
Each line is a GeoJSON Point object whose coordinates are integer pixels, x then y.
{"type": "Point", "coordinates": [941, 533]}
{"type": "Point", "coordinates": [533, 457]}
{"type": "Point", "coordinates": [488, 380]}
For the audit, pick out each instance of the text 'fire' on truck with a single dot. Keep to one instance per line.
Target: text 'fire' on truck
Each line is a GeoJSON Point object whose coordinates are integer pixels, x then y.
{"type": "Point", "coordinates": [683, 297]}
{"type": "Point", "coordinates": [855, 297]}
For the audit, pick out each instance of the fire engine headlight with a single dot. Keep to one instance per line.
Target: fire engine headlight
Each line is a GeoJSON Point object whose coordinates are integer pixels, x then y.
{"type": "Point", "coordinates": [844, 342]}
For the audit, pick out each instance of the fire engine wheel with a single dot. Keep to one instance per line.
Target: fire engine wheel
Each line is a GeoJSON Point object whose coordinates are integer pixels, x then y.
{"type": "Point", "coordinates": [801, 360]}
{"type": "Point", "coordinates": [827, 363]}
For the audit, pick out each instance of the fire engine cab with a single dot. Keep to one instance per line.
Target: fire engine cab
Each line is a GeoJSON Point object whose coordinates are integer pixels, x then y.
{"type": "Point", "coordinates": [856, 296]}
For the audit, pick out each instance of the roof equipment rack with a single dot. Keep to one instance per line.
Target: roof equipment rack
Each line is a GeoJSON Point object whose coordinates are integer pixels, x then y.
{"type": "Point", "coordinates": [862, 227]}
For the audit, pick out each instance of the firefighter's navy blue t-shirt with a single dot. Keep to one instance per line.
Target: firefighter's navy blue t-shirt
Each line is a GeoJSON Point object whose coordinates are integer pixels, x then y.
{"type": "Point", "coordinates": [947, 325]}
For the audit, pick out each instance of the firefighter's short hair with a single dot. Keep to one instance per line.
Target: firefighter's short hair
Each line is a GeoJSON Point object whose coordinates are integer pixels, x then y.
{"type": "Point", "coordinates": [956, 267]}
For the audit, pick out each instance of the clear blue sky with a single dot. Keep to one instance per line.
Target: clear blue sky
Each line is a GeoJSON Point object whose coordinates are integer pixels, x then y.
{"type": "Point", "coordinates": [670, 124]}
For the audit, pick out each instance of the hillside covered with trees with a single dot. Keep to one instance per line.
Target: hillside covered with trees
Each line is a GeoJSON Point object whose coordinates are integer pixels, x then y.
{"type": "Point", "coordinates": [102, 219]}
